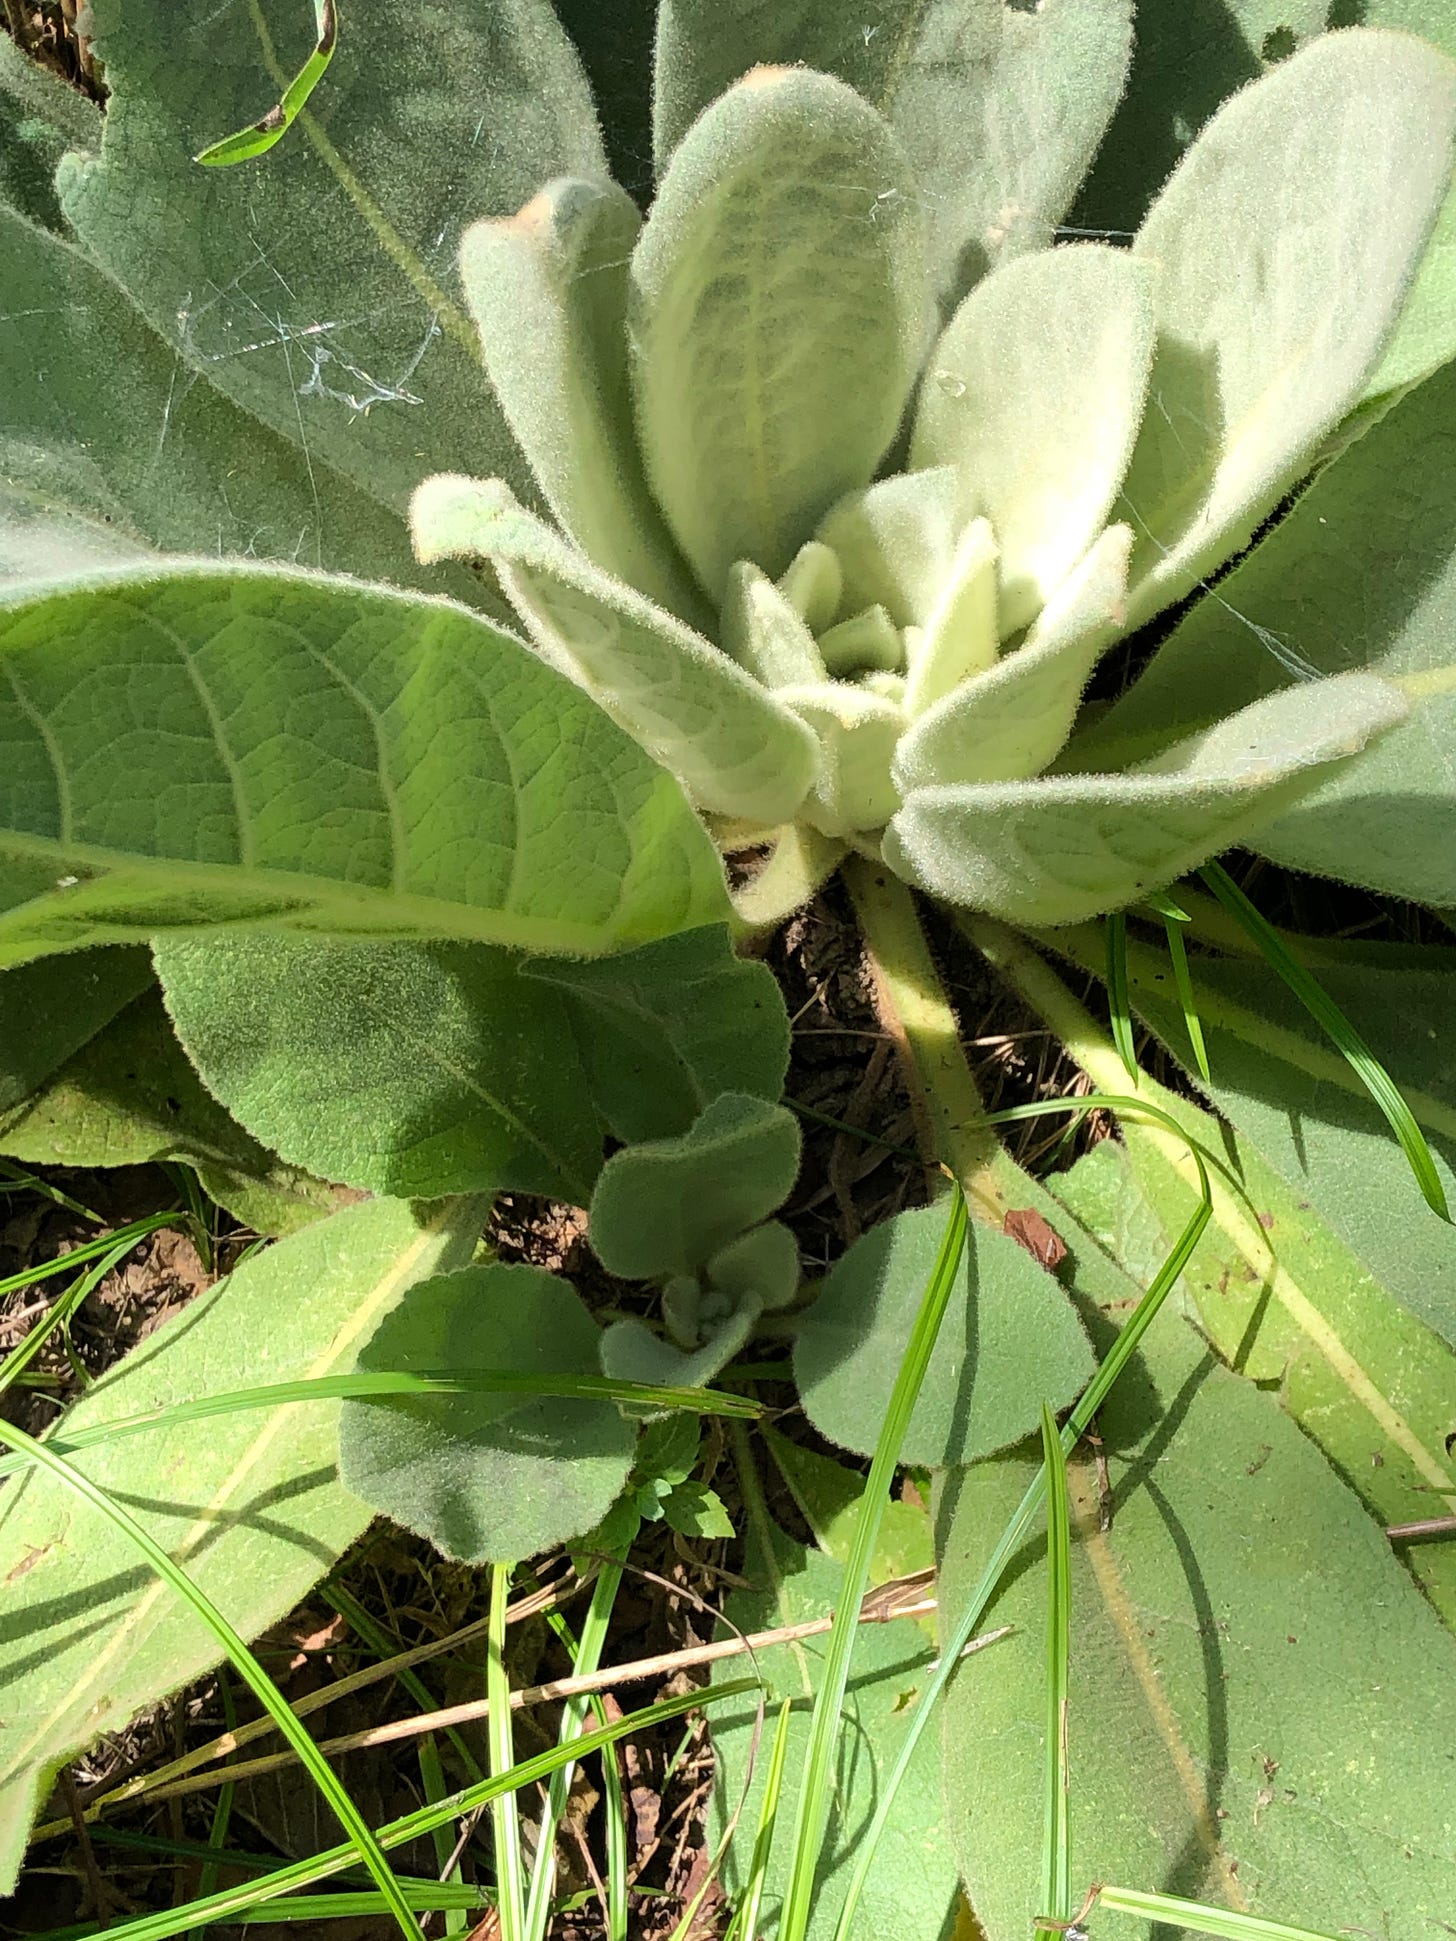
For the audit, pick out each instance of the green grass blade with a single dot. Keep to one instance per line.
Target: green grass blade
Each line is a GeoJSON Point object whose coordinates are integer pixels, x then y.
{"type": "Point", "coordinates": [1338, 1029]}
{"type": "Point", "coordinates": [222, 1812]}
{"type": "Point", "coordinates": [25, 1352]}
{"type": "Point", "coordinates": [1183, 980]}
{"type": "Point", "coordinates": [1122, 1351]}
{"type": "Point", "coordinates": [1199, 1919]}
{"type": "Point", "coordinates": [361, 1840]}
{"type": "Point", "coordinates": [1057, 1839]}
{"type": "Point", "coordinates": [78, 1256]}
{"type": "Point", "coordinates": [376, 1384]}
{"type": "Point", "coordinates": [505, 1820]}
{"type": "Point", "coordinates": [745, 1921]}
{"type": "Point", "coordinates": [815, 1797]}
{"type": "Point", "coordinates": [1119, 1001]}
{"type": "Point", "coordinates": [231, 1903]}
{"type": "Point", "coordinates": [272, 127]}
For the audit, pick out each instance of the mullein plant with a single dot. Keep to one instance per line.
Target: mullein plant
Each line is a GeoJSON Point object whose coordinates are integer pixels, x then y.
{"type": "Point", "coordinates": [842, 544]}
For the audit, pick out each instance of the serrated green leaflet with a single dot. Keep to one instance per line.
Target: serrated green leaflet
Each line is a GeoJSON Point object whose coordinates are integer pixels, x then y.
{"type": "Point", "coordinates": [1211, 1623]}
{"type": "Point", "coordinates": [215, 746]}
{"type": "Point", "coordinates": [254, 1510]}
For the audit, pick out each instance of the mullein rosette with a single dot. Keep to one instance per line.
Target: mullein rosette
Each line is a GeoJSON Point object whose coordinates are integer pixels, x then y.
{"type": "Point", "coordinates": [847, 572]}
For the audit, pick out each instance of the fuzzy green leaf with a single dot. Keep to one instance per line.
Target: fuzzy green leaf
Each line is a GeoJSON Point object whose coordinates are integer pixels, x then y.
{"type": "Point", "coordinates": [983, 1389]}
{"type": "Point", "coordinates": [1362, 573]}
{"type": "Point", "coordinates": [631, 1352]}
{"type": "Point", "coordinates": [858, 732]}
{"type": "Point", "coordinates": [315, 287]}
{"type": "Point", "coordinates": [764, 633]}
{"type": "Point", "coordinates": [214, 745]}
{"type": "Point", "coordinates": [1283, 247]}
{"type": "Point", "coordinates": [1062, 848]}
{"type": "Point", "coordinates": [665, 1206]}
{"type": "Point", "coordinates": [1034, 393]}
{"type": "Point", "coordinates": [894, 542]}
{"type": "Point", "coordinates": [690, 706]}
{"type": "Point", "coordinates": [109, 448]}
{"type": "Point", "coordinates": [488, 1478]}
{"type": "Point", "coordinates": [777, 317]}
{"type": "Point", "coordinates": [663, 1030]}
{"type": "Point", "coordinates": [1013, 720]}
{"type": "Point", "coordinates": [548, 291]}
{"type": "Point", "coordinates": [1000, 107]}
{"type": "Point", "coordinates": [763, 1265]}
{"type": "Point", "coordinates": [253, 1510]}
{"type": "Point", "coordinates": [130, 1097]}
{"type": "Point", "coordinates": [958, 640]}
{"type": "Point", "coordinates": [49, 1011]}
{"type": "Point", "coordinates": [1267, 1759]}
{"type": "Point", "coordinates": [418, 1070]}
{"type": "Point", "coordinates": [830, 1497]}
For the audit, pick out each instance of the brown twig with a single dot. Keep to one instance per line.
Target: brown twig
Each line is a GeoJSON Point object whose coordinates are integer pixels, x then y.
{"type": "Point", "coordinates": [880, 1607]}
{"type": "Point", "coordinates": [1430, 1526]}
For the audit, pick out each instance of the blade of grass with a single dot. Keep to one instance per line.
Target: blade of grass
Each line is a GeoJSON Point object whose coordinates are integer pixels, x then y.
{"type": "Point", "coordinates": [1057, 1837]}
{"type": "Point", "coordinates": [1173, 922]}
{"type": "Point", "coordinates": [25, 1352]}
{"type": "Point", "coordinates": [16, 1179]}
{"type": "Point", "coordinates": [231, 1902]}
{"type": "Point", "coordinates": [377, 1639]}
{"type": "Point", "coordinates": [505, 1820]}
{"type": "Point", "coordinates": [274, 125]}
{"type": "Point", "coordinates": [78, 1256]}
{"type": "Point", "coordinates": [814, 1798]}
{"type": "Point", "coordinates": [745, 1921]}
{"type": "Point", "coordinates": [217, 1832]}
{"type": "Point", "coordinates": [1340, 1032]}
{"type": "Point", "coordinates": [1119, 1002]}
{"type": "Point", "coordinates": [377, 1384]}
{"type": "Point", "coordinates": [960, 1634]}
{"type": "Point", "coordinates": [1199, 1919]}
{"type": "Point", "coordinates": [246, 1665]}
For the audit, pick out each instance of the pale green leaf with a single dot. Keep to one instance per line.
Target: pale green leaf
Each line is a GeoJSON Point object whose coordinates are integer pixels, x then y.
{"type": "Point", "coordinates": [762, 630]}
{"type": "Point", "coordinates": [214, 745]}
{"type": "Point", "coordinates": [488, 1478]}
{"type": "Point", "coordinates": [418, 1070]}
{"type": "Point", "coordinates": [984, 1387]}
{"type": "Point", "coordinates": [1034, 393]}
{"type": "Point", "coordinates": [867, 642]}
{"type": "Point", "coordinates": [316, 287]}
{"type": "Point", "coordinates": [914, 1890]}
{"type": "Point", "coordinates": [1362, 573]}
{"type": "Point", "coordinates": [1013, 720]}
{"type": "Point", "coordinates": [38, 91]}
{"type": "Point", "coordinates": [1000, 107]}
{"type": "Point", "coordinates": [667, 1205]}
{"type": "Point", "coordinates": [631, 1352]}
{"type": "Point", "coordinates": [895, 541]}
{"type": "Point", "coordinates": [777, 317]}
{"type": "Point", "coordinates": [1283, 248]}
{"type": "Point", "coordinates": [1269, 1756]}
{"type": "Point", "coordinates": [1284, 1298]}
{"type": "Point", "coordinates": [763, 1264]}
{"type": "Point", "coordinates": [857, 731]}
{"type": "Point", "coordinates": [129, 1098]}
{"type": "Point", "coordinates": [663, 1030]}
{"type": "Point", "coordinates": [694, 709]}
{"type": "Point", "coordinates": [253, 1510]}
{"type": "Point", "coordinates": [548, 291]}
{"type": "Point", "coordinates": [1061, 848]}
{"type": "Point", "coordinates": [697, 1511]}
{"type": "Point", "coordinates": [49, 1011]}
{"type": "Point", "coordinates": [958, 640]}
{"type": "Point", "coordinates": [110, 447]}
{"type": "Point", "coordinates": [813, 583]}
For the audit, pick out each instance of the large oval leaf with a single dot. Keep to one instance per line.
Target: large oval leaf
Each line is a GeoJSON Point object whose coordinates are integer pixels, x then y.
{"type": "Point", "coordinates": [209, 746]}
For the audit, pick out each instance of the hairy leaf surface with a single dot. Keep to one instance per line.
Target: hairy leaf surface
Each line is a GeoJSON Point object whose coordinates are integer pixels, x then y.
{"type": "Point", "coordinates": [49, 1011]}
{"type": "Point", "coordinates": [216, 745]}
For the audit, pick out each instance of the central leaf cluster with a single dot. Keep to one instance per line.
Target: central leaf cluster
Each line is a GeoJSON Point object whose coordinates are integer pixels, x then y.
{"type": "Point", "coordinates": [848, 573]}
